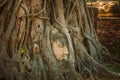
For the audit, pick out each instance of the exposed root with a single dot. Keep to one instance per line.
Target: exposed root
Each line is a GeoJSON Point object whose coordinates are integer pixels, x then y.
{"type": "Point", "coordinates": [3, 3]}
{"type": "Point", "coordinates": [40, 62]}
{"type": "Point", "coordinates": [102, 69]}
{"type": "Point", "coordinates": [90, 74]}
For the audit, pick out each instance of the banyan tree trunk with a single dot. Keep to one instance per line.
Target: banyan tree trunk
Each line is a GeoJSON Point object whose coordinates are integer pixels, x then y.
{"type": "Point", "coordinates": [34, 35]}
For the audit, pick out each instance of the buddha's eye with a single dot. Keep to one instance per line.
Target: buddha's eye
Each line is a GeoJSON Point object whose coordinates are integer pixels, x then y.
{"type": "Point", "coordinates": [59, 44]}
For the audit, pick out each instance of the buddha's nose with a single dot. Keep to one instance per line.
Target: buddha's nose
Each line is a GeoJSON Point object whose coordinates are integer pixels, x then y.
{"type": "Point", "coordinates": [66, 51]}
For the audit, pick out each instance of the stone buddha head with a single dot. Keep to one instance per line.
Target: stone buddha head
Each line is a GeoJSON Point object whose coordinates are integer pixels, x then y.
{"type": "Point", "coordinates": [59, 45]}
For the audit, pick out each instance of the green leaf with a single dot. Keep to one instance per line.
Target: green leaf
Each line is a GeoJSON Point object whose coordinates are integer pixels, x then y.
{"type": "Point", "coordinates": [22, 51]}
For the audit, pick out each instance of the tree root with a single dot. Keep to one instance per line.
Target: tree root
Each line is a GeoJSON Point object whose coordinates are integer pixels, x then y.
{"type": "Point", "coordinates": [102, 70]}
{"type": "Point", "coordinates": [3, 3]}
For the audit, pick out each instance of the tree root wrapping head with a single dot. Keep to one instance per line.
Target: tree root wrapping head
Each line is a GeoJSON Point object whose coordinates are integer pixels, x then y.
{"type": "Point", "coordinates": [50, 40]}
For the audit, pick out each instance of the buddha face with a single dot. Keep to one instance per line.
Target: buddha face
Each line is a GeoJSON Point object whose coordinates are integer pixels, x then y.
{"type": "Point", "coordinates": [60, 50]}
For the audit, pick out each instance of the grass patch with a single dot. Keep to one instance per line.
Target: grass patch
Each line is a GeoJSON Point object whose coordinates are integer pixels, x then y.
{"type": "Point", "coordinates": [114, 69]}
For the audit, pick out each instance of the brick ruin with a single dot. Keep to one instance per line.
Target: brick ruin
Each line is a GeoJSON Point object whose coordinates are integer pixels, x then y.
{"type": "Point", "coordinates": [107, 25]}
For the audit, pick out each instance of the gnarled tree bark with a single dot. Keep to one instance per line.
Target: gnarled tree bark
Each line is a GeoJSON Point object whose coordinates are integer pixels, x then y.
{"type": "Point", "coordinates": [26, 51]}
